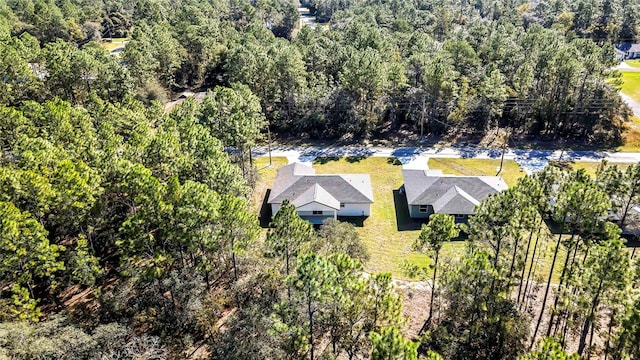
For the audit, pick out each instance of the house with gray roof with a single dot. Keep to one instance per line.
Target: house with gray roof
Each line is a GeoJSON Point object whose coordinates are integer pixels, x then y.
{"type": "Point", "coordinates": [627, 51]}
{"type": "Point", "coordinates": [432, 192]}
{"type": "Point", "coordinates": [318, 196]}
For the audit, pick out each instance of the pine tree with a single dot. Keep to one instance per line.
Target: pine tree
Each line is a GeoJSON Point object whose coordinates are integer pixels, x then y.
{"type": "Point", "coordinates": [316, 280]}
{"type": "Point", "coordinates": [441, 228]}
{"type": "Point", "coordinates": [287, 234]}
{"type": "Point", "coordinates": [389, 344]}
{"type": "Point", "coordinates": [550, 350]}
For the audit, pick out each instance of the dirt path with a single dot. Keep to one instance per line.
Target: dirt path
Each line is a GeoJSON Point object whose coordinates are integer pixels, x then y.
{"type": "Point", "coordinates": [634, 105]}
{"type": "Point", "coordinates": [623, 66]}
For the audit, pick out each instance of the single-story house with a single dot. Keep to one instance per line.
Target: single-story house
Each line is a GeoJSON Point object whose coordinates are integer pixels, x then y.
{"type": "Point", "coordinates": [432, 192]}
{"type": "Point", "coordinates": [318, 197]}
{"type": "Point", "coordinates": [628, 51]}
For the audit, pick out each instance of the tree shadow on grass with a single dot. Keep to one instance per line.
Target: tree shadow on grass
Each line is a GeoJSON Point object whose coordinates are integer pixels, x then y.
{"type": "Point", "coordinates": [265, 211]}
{"type": "Point", "coordinates": [403, 220]}
{"type": "Point", "coordinates": [355, 159]}
{"type": "Point", "coordinates": [394, 161]}
{"type": "Point", "coordinates": [325, 159]}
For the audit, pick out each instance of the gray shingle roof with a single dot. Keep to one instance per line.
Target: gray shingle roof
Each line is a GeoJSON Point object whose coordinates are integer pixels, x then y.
{"type": "Point", "coordinates": [317, 194]}
{"type": "Point", "coordinates": [449, 194]}
{"type": "Point", "coordinates": [628, 47]}
{"type": "Point", "coordinates": [455, 201]}
{"type": "Point", "coordinates": [295, 179]}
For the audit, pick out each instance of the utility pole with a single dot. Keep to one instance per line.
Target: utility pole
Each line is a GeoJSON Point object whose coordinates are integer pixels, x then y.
{"type": "Point", "coordinates": [269, 136]}
{"type": "Point", "coordinates": [504, 149]}
{"type": "Point", "coordinates": [422, 117]}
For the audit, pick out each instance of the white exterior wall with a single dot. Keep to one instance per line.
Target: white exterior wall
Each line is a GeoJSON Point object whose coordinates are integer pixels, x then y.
{"type": "Point", "coordinates": [355, 210]}
{"type": "Point", "coordinates": [347, 210]}
{"type": "Point", "coordinates": [306, 209]}
{"type": "Point", "coordinates": [314, 206]}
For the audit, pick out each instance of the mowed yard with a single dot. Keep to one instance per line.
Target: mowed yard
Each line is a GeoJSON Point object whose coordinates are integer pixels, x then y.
{"type": "Point", "coordinates": [592, 167]}
{"type": "Point", "coordinates": [631, 136]}
{"type": "Point", "coordinates": [113, 43]}
{"type": "Point", "coordinates": [631, 88]}
{"type": "Point", "coordinates": [631, 84]}
{"type": "Point", "coordinates": [635, 63]}
{"type": "Point", "coordinates": [390, 247]}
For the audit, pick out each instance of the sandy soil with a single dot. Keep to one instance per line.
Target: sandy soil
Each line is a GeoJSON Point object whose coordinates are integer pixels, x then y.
{"type": "Point", "coordinates": [416, 297]}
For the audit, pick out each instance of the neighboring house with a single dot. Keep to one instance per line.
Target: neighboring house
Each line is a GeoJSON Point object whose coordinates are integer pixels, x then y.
{"type": "Point", "coordinates": [432, 192]}
{"type": "Point", "coordinates": [628, 51]}
{"type": "Point", "coordinates": [631, 224]}
{"type": "Point", "coordinates": [318, 197]}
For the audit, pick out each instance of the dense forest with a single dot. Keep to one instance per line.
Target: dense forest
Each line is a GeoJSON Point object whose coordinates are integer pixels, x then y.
{"type": "Point", "coordinates": [127, 232]}
{"type": "Point", "coordinates": [430, 67]}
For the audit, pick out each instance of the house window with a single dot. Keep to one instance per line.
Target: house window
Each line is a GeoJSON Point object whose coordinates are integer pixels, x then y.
{"type": "Point", "coordinates": [317, 212]}
{"type": "Point", "coordinates": [423, 208]}
{"type": "Point", "coordinates": [341, 205]}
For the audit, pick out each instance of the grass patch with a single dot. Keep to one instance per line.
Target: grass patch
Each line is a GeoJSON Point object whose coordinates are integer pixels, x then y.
{"type": "Point", "coordinates": [635, 63]}
{"type": "Point", "coordinates": [110, 46]}
{"type": "Point", "coordinates": [116, 40]}
{"type": "Point", "coordinates": [631, 84]}
{"type": "Point", "coordinates": [511, 171]}
{"type": "Point", "coordinates": [114, 43]}
{"type": "Point", "coordinates": [631, 136]}
{"type": "Point", "coordinates": [591, 166]}
{"type": "Point", "coordinates": [543, 266]}
{"type": "Point", "coordinates": [266, 175]}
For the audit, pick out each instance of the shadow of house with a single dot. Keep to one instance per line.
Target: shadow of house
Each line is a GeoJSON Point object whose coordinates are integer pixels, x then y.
{"type": "Point", "coordinates": [404, 222]}
{"type": "Point", "coordinates": [265, 211]}
{"type": "Point", "coordinates": [555, 227]}
{"type": "Point", "coordinates": [632, 240]}
{"type": "Point", "coordinates": [357, 221]}
{"type": "Point", "coordinates": [565, 228]}
{"type": "Point", "coordinates": [630, 233]}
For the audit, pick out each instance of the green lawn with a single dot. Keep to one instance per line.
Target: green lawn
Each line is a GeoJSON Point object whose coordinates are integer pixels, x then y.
{"type": "Point", "coordinates": [511, 171]}
{"type": "Point", "coordinates": [631, 84]}
{"type": "Point", "coordinates": [591, 167]}
{"type": "Point", "coordinates": [117, 40]}
{"type": "Point", "coordinates": [635, 63]}
{"type": "Point", "coordinates": [114, 44]}
{"type": "Point", "coordinates": [266, 175]}
{"type": "Point", "coordinates": [631, 136]}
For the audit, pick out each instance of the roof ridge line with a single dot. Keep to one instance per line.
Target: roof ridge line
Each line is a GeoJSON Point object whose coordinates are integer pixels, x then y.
{"type": "Point", "coordinates": [468, 196]}
{"type": "Point", "coordinates": [355, 187]}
